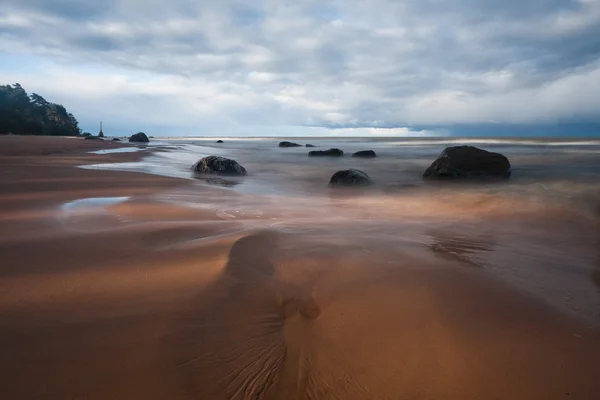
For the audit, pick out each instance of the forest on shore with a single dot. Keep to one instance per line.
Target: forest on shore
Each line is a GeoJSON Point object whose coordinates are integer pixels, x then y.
{"type": "Point", "coordinates": [23, 114]}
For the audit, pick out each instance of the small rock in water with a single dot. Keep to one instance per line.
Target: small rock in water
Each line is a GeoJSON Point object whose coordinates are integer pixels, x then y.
{"type": "Point", "coordinates": [219, 141]}
{"type": "Point", "coordinates": [469, 162]}
{"type": "Point", "coordinates": [289, 144]}
{"type": "Point", "coordinates": [350, 177]}
{"type": "Point", "coordinates": [365, 154]}
{"type": "Point", "coordinates": [310, 145]}
{"type": "Point", "coordinates": [219, 165]}
{"type": "Point", "coordinates": [139, 137]}
{"type": "Point", "coordinates": [325, 153]}
{"type": "Point", "coordinates": [116, 140]}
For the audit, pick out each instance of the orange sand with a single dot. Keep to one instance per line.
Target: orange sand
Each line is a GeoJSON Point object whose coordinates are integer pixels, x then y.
{"type": "Point", "coordinates": [108, 306]}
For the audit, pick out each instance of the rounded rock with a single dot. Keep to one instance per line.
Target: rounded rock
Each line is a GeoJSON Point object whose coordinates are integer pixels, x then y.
{"type": "Point", "coordinates": [350, 177]}
{"type": "Point", "coordinates": [289, 144]}
{"type": "Point", "coordinates": [219, 165]}
{"type": "Point", "coordinates": [365, 154]}
{"type": "Point", "coordinates": [326, 153]}
{"type": "Point", "coordinates": [463, 162]}
{"type": "Point", "coordinates": [139, 137]}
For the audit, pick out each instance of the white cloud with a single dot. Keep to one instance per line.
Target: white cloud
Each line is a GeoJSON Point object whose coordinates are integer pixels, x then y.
{"type": "Point", "coordinates": [549, 102]}
{"type": "Point", "coordinates": [393, 132]}
{"type": "Point", "coordinates": [349, 64]}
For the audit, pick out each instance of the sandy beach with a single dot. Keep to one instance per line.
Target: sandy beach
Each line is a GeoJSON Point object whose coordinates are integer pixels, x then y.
{"type": "Point", "coordinates": [112, 289]}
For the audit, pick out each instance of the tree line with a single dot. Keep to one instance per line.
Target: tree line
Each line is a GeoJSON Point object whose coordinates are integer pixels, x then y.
{"type": "Point", "coordinates": [25, 114]}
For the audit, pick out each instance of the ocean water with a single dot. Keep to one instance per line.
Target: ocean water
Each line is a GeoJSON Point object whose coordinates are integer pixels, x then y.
{"type": "Point", "coordinates": [538, 231]}
{"type": "Point", "coordinates": [557, 171]}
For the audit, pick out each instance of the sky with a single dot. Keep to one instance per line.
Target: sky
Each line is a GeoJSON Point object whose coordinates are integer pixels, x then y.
{"type": "Point", "coordinates": [311, 67]}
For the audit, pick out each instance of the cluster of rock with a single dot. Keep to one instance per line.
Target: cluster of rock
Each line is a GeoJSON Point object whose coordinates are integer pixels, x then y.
{"type": "Point", "coordinates": [139, 137]}
{"type": "Point", "coordinates": [292, 144]}
{"type": "Point", "coordinates": [89, 136]}
{"type": "Point", "coordinates": [455, 162]}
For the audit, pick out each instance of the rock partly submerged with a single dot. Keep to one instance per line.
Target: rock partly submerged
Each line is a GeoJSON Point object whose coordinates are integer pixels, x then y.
{"type": "Point", "coordinates": [219, 141]}
{"type": "Point", "coordinates": [463, 162]}
{"type": "Point", "coordinates": [219, 165]}
{"type": "Point", "coordinates": [326, 153]}
{"type": "Point", "coordinates": [289, 144]}
{"type": "Point", "coordinates": [364, 154]}
{"type": "Point", "coordinates": [310, 145]}
{"type": "Point", "coordinates": [350, 177]}
{"type": "Point", "coordinates": [139, 137]}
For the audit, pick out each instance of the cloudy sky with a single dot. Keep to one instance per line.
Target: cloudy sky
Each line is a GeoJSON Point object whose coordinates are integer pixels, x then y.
{"type": "Point", "coordinates": [310, 67]}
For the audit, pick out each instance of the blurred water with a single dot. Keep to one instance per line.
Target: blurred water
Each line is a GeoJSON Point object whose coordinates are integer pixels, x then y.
{"type": "Point", "coordinates": [84, 205]}
{"type": "Point", "coordinates": [539, 230]}
{"type": "Point", "coordinates": [546, 171]}
{"type": "Point", "coordinates": [117, 150]}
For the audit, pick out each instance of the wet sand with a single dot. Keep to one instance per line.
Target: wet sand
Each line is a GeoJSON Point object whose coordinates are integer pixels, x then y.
{"type": "Point", "coordinates": [136, 296]}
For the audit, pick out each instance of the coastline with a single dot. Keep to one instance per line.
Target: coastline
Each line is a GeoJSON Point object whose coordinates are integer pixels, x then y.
{"type": "Point", "coordinates": [95, 302]}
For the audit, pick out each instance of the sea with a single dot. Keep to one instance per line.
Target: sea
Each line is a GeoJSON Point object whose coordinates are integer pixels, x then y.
{"type": "Point", "coordinates": [538, 231]}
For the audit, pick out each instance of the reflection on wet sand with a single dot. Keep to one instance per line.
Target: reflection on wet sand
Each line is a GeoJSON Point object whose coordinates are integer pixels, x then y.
{"type": "Point", "coordinates": [231, 343]}
{"type": "Point", "coordinates": [218, 181]}
{"type": "Point", "coordinates": [596, 271]}
{"type": "Point", "coordinates": [464, 248]}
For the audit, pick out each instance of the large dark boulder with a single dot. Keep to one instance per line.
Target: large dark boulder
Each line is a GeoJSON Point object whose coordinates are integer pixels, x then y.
{"type": "Point", "coordinates": [468, 162]}
{"type": "Point", "coordinates": [139, 137]}
{"type": "Point", "coordinates": [219, 165]}
{"type": "Point", "coordinates": [326, 153]}
{"type": "Point", "coordinates": [289, 144]}
{"type": "Point", "coordinates": [350, 177]}
{"type": "Point", "coordinates": [365, 154]}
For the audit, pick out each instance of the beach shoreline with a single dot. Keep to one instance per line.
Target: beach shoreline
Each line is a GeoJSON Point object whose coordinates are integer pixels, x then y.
{"type": "Point", "coordinates": [111, 289]}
